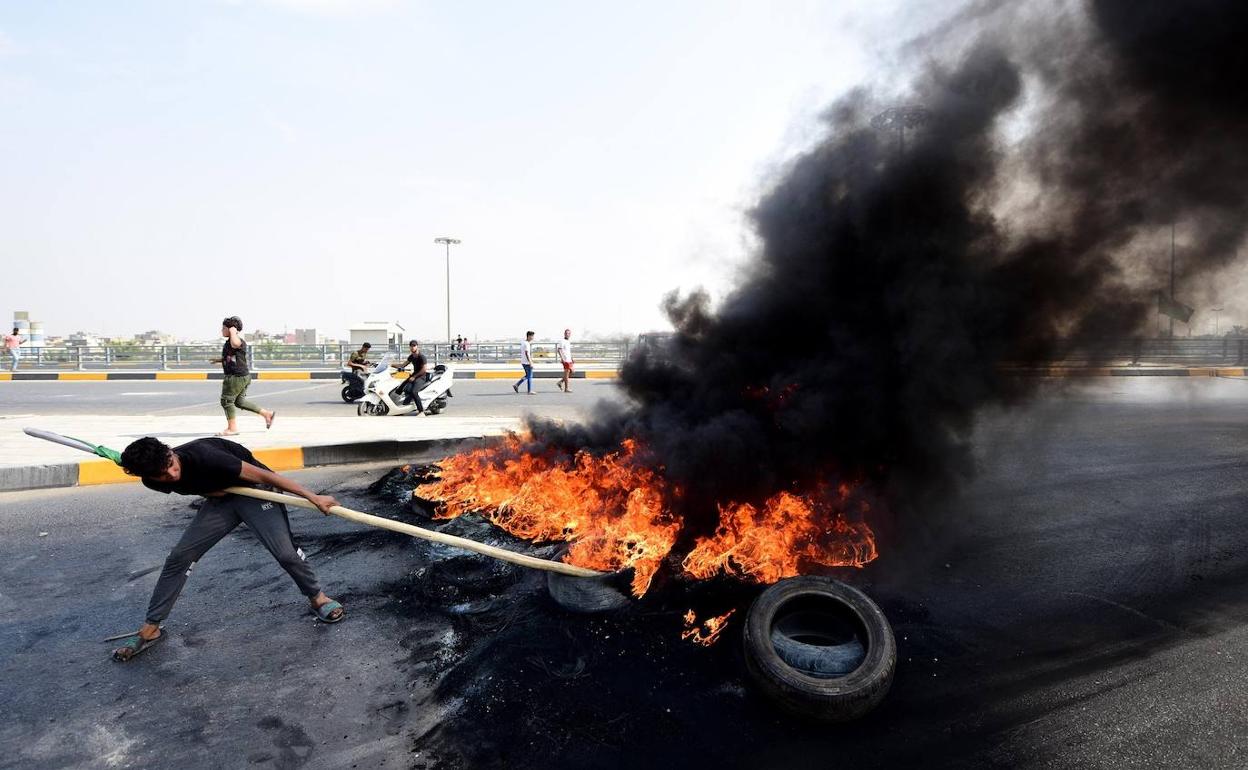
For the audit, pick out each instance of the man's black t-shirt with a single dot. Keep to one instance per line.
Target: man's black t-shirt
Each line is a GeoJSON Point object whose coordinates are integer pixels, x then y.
{"type": "Point", "coordinates": [417, 360]}
{"type": "Point", "coordinates": [234, 359]}
{"type": "Point", "coordinates": [208, 465]}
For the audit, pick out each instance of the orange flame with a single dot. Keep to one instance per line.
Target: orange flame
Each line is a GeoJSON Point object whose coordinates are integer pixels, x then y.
{"type": "Point", "coordinates": [610, 507]}
{"type": "Point", "coordinates": [772, 542]}
{"type": "Point", "coordinates": [616, 513]}
{"type": "Point", "coordinates": [707, 632]}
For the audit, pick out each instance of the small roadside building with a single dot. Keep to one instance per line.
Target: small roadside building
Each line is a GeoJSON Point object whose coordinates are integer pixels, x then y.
{"type": "Point", "coordinates": [386, 335]}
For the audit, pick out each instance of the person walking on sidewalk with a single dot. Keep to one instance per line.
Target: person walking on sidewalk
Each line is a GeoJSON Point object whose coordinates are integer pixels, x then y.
{"type": "Point", "coordinates": [13, 344]}
{"type": "Point", "coordinates": [526, 360]}
{"type": "Point", "coordinates": [233, 362]}
{"type": "Point", "coordinates": [206, 467]}
{"type": "Point", "coordinates": [565, 357]}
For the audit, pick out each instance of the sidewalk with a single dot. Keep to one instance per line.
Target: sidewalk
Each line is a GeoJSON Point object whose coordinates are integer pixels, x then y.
{"type": "Point", "coordinates": [293, 443]}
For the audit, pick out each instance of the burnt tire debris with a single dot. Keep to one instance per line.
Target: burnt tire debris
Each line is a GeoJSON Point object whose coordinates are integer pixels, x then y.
{"type": "Point", "coordinates": [817, 612]}
{"type": "Point", "coordinates": [813, 646]}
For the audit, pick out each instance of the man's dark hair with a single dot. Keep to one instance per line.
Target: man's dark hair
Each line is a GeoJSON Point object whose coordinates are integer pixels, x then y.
{"type": "Point", "coordinates": [366, 346]}
{"type": "Point", "coordinates": [529, 334]}
{"type": "Point", "coordinates": [412, 342]}
{"type": "Point", "coordinates": [146, 457]}
{"type": "Point", "coordinates": [234, 321]}
{"type": "Point", "coordinates": [15, 330]}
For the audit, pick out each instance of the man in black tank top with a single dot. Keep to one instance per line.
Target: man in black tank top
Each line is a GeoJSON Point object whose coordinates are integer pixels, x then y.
{"type": "Point", "coordinates": [233, 362]}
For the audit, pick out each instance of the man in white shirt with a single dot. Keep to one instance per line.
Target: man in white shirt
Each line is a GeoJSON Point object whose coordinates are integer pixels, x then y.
{"type": "Point", "coordinates": [526, 360]}
{"type": "Point", "coordinates": [565, 358]}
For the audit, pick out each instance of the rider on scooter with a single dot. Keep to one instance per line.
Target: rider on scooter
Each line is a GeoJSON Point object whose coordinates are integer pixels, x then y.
{"type": "Point", "coordinates": [419, 371]}
{"type": "Point", "coordinates": [359, 364]}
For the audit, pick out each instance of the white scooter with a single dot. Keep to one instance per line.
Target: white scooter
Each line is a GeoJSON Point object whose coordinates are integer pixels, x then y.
{"type": "Point", "coordinates": [381, 396]}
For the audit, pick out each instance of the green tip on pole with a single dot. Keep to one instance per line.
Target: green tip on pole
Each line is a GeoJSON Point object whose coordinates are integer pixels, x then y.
{"type": "Point", "coordinates": [102, 451]}
{"type": "Point", "coordinates": [109, 454]}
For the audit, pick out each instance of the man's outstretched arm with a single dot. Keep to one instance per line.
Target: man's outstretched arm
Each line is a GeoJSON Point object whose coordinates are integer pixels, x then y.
{"type": "Point", "coordinates": [258, 475]}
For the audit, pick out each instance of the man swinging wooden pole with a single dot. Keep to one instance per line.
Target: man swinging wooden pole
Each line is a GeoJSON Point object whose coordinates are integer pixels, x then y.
{"type": "Point", "coordinates": [207, 467]}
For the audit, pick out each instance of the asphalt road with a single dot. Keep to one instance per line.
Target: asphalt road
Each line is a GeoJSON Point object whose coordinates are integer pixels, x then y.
{"type": "Point", "coordinates": [1080, 603]}
{"type": "Point", "coordinates": [291, 397]}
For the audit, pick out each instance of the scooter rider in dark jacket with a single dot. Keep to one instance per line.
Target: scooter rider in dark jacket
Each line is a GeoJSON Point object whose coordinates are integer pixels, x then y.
{"type": "Point", "coordinates": [359, 364]}
{"type": "Point", "coordinates": [419, 375]}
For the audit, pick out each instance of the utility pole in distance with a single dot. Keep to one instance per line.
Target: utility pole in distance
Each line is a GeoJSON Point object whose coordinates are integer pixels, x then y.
{"type": "Point", "coordinates": [448, 242]}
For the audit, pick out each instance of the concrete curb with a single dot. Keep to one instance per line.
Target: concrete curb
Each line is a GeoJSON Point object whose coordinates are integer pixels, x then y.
{"type": "Point", "coordinates": [94, 472]}
{"type": "Point", "coordinates": [277, 374]}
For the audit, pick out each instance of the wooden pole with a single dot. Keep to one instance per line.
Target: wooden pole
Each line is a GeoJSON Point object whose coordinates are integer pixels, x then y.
{"type": "Point", "coordinates": [502, 554]}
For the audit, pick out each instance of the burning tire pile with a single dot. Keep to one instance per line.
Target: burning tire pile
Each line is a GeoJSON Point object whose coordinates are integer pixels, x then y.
{"type": "Point", "coordinates": [816, 647]}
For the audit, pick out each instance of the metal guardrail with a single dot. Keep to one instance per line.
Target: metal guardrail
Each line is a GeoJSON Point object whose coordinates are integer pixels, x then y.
{"type": "Point", "coordinates": [263, 356]}
{"type": "Point", "coordinates": [1190, 351]}
{"type": "Point", "coordinates": [1200, 351]}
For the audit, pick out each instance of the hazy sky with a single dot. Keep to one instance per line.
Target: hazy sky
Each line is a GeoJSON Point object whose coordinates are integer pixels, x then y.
{"type": "Point", "coordinates": [291, 161]}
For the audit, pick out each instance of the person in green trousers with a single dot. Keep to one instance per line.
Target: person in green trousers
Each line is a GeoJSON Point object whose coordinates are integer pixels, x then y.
{"type": "Point", "coordinates": [233, 362]}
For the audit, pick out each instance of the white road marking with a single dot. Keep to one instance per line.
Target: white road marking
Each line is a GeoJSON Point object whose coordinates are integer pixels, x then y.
{"type": "Point", "coordinates": [257, 395]}
{"type": "Point", "coordinates": [150, 393]}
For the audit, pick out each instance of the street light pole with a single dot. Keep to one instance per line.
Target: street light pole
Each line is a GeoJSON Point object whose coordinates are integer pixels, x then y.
{"type": "Point", "coordinates": [448, 242]}
{"type": "Point", "coordinates": [1216, 326]}
{"type": "Point", "coordinates": [1172, 297]}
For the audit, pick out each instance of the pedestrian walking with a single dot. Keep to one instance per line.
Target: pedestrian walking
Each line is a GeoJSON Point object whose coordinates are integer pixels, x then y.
{"type": "Point", "coordinates": [233, 362]}
{"type": "Point", "coordinates": [206, 467]}
{"type": "Point", "coordinates": [564, 349]}
{"type": "Point", "coordinates": [13, 344]}
{"type": "Point", "coordinates": [526, 360]}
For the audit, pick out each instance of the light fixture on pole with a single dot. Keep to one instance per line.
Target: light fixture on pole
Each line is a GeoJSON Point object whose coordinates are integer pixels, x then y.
{"type": "Point", "coordinates": [901, 118]}
{"type": "Point", "coordinates": [448, 242]}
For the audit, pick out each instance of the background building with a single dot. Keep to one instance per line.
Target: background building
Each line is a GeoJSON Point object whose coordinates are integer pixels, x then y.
{"type": "Point", "coordinates": [82, 340]}
{"type": "Point", "coordinates": [153, 338]}
{"type": "Point", "coordinates": [31, 331]}
{"type": "Point", "coordinates": [385, 334]}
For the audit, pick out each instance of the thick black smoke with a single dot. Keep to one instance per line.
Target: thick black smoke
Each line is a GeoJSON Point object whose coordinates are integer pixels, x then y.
{"type": "Point", "coordinates": [892, 283]}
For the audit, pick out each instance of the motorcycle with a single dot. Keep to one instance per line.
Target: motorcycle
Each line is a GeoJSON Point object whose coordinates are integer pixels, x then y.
{"type": "Point", "coordinates": [382, 396]}
{"type": "Point", "coordinates": [353, 389]}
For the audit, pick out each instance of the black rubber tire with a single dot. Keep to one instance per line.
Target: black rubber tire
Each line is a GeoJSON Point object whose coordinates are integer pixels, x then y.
{"type": "Point", "coordinates": [588, 596]}
{"type": "Point", "coordinates": [346, 394]}
{"type": "Point", "coordinates": [827, 698]}
{"type": "Point", "coordinates": [804, 642]}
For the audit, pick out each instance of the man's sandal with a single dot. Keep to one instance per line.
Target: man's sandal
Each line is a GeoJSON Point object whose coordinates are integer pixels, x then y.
{"type": "Point", "coordinates": [132, 645]}
{"type": "Point", "coordinates": [329, 612]}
